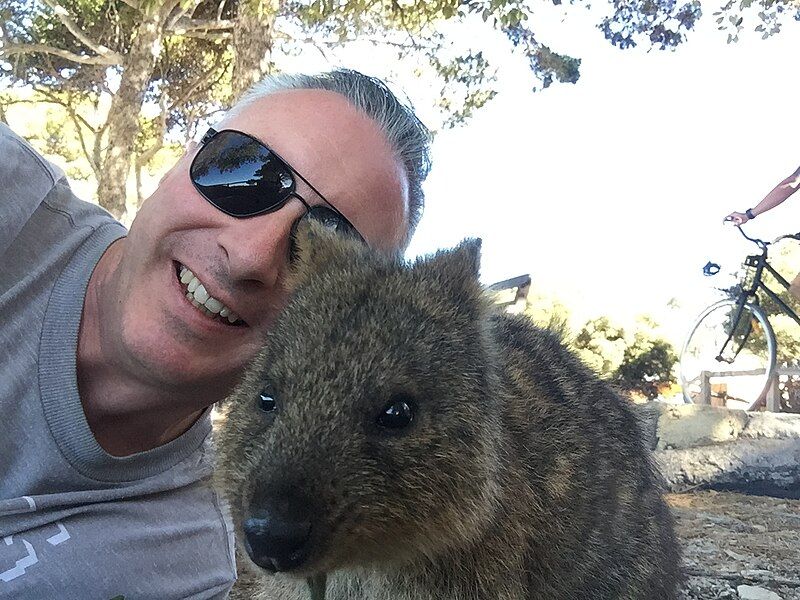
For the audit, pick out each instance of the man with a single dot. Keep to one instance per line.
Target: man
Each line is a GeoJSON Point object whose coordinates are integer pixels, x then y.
{"type": "Point", "coordinates": [779, 193]}
{"type": "Point", "coordinates": [116, 345]}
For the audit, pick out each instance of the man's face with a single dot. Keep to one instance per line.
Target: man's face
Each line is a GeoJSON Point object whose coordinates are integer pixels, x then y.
{"type": "Point", "coordinates": [243, 262]}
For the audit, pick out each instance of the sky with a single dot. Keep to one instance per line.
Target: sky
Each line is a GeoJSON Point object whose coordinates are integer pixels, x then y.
{"type": "Point", "coordinates": [611, 193]}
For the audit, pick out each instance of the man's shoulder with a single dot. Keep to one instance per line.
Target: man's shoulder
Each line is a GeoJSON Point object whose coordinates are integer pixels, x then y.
{"type": "Point", "coordinates": [28, 183]}
{"type": "Point", "coordinates": [26, 179]}
{"type": "Point", "coordinates": [20, 159]}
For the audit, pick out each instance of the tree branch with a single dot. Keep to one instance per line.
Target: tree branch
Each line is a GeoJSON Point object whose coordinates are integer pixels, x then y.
{"type": "Point", "coordinates": [220, 9]}
{"type": "Point", "coordinates": [77, 120]}
{"type": "Point", "coordinates": [209, 35]}
{"type": "Point", "coordinates": [132, 3]}
{"type": "Point", "coordinates": [63, 16]}
{"type": "Point", "coordinates": [187, 24]}
{"type": "Point", "coordinates": [373, 41]}
{"type": "Point", "coordinates": [202, 80]}
{"type": "Point", "coordinates": [399, 11]}
{"type": "Point", "coordinates": [11, 49]}
{"type": "Point", "coordinates": [184, 7]}
{"type": "Point", "coordinates": [144, 157]}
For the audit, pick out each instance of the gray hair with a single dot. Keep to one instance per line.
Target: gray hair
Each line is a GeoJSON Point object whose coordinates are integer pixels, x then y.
{"type": "Point", "coordinates": [406, 134]}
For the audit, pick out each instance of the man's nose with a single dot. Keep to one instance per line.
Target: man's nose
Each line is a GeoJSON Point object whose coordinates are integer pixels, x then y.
{"type": "Point", "coordinates": [257, 248]}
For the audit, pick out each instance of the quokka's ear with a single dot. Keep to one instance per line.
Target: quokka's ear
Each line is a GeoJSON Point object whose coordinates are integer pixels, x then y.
{"type": "Point", "coordinates": [316, 248]}
{"type": "Point", "coordinates": [456, 269]}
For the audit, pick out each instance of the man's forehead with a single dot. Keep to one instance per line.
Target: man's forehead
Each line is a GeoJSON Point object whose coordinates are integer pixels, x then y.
{"type": "Point", "coordinates": [306, 125]}
{"type": "Point", "coordinates": [341, 151]}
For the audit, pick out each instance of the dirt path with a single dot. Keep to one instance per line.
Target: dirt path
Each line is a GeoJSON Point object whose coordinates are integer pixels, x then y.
{"type": "Point", "coordinates": [732, 539]}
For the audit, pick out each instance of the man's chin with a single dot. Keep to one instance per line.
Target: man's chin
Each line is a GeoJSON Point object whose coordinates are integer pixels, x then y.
{"type": "Point", "coordinates": [182, 371]}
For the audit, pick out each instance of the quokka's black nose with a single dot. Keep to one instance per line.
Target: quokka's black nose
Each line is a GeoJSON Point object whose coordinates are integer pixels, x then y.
{"type": "Point", "coordinates": [277, 534]}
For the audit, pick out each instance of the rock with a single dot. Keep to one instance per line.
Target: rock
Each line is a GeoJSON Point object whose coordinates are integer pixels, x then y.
{"type": "Point", "coordinates": [772, 425]}
{"type": "Point", "coordinates": [692, 425]}
{"type": "Point", "coordinates": [755, 573]}
{"type": "Point", "coordinates": [736, 555]}
{"type": "Point", "coordinates": [739, 462]}
{"type": "Point", "coordinates": [751, 592]}
{"type": "Point", "coordinates": [697, 445]}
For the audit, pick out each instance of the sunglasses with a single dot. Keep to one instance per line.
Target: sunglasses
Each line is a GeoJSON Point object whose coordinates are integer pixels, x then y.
{"type": "Point", "coordinates": [243, 177]}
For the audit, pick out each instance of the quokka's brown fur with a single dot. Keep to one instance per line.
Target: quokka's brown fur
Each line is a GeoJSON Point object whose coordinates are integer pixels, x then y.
{"type": "Point", "coordinates": [521, 475]}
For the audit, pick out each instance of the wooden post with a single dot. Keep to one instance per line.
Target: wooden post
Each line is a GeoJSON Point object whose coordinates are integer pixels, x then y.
{"type": "Point", "coordinates": [705, 387]}
{"type": "Point", "coordinates": [774, 394]}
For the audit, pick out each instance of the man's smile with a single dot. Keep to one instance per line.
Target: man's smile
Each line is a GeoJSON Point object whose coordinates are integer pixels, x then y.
{"type": "Point", "coordinates": [197, 294]}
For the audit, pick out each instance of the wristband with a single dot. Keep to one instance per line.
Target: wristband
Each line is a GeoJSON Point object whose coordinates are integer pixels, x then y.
{"type": "Point", "coordinates": [749, 213]}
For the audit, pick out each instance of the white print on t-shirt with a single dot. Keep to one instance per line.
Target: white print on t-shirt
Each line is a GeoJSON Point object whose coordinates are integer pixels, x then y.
{"type": "Point", "coordinates": [30, 557]}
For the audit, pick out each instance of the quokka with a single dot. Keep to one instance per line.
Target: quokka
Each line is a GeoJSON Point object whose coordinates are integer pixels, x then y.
{"type": "Point", "coordinates": [398, 438]}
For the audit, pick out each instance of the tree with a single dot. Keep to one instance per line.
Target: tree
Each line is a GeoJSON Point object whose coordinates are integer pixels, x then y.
{"type": "Point", "coordinates": [601, 345]}
{"type": "Point", "coordinates": [637, 359]}
{"type": "Point", "coordinates": [189, 57]}
{"type": "Point", "coordinates": [647, 366]}
{"type": "Point", "coordinates": [549, 312]}
{"type": "Point", "coordinates": [78, 52]}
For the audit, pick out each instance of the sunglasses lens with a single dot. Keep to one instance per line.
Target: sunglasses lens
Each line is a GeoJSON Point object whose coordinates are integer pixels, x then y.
{"type": "Point", "coordinates": [240, 176]}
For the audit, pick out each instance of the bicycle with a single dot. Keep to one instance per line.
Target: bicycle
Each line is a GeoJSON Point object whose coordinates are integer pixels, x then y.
{"type": "Point", "coordinates": [730, 352]}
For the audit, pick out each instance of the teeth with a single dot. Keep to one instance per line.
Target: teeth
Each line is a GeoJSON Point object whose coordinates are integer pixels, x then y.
{"type": "Point", "coordinates": [197, 294]}
{"type": "Point", "coordinates": [200, 294]}
{"type": "Point", "coordinates": [213, 304]}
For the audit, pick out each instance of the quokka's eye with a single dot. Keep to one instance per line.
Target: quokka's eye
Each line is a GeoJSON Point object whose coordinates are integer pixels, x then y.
{"type": "Point", "coordinates": [397, 414]}
{"type": "Point", "coordinates": [266, 400]}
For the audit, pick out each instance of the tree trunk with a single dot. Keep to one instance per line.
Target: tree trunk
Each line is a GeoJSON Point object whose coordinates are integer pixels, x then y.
{"type": "Point", "coordinates": [123, 118]}
{"type": "Point", "coordinates": [252, 41]}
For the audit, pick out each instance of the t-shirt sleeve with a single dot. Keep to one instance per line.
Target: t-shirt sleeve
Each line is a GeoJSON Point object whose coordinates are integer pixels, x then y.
{"type": "Point", "coordinates": [25, 179]}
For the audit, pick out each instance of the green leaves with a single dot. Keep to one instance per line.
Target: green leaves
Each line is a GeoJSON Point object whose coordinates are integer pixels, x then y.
{"type": "Point", "coordinates": [635, 358]}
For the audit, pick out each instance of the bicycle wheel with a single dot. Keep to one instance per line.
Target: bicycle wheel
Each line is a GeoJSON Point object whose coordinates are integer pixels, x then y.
{"type": "Point", "coordinates": [728, 357]}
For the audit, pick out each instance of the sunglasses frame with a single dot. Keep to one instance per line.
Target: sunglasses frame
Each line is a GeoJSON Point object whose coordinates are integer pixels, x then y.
{"type": "Point", "coordinates": [292, 193]}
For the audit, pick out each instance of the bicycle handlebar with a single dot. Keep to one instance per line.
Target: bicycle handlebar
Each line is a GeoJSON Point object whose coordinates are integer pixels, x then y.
{"type": "Point", "coordinates": [713, 268]}
{"type": "Point", "coordinates": [792, 236]}
{"type": "Point", "coordinates": [760, 243]}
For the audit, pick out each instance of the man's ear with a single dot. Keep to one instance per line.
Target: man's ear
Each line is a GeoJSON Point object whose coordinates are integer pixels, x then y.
{"type": "Point", "coordinates": [316, 248]}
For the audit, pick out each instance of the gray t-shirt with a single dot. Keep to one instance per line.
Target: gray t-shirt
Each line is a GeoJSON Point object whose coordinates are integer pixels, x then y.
{"type": "Point", "coordinates": [76, 522]}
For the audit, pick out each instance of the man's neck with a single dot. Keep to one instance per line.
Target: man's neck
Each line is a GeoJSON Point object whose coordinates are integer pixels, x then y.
{"type": "Point", "coordinates": [127, 415]}
{"type": "Point", "coordinates": [122, 434]}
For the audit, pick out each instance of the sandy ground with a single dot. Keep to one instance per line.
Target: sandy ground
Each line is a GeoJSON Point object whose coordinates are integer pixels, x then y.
{"type": "Point", "coordinates": [732, 539]}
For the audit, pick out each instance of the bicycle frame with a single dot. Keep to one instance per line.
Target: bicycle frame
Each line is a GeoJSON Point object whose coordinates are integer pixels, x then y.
{"type": "Point", "coordinates": [759, 261]}
{"type": "Point", "coordinates": [760, 285]}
